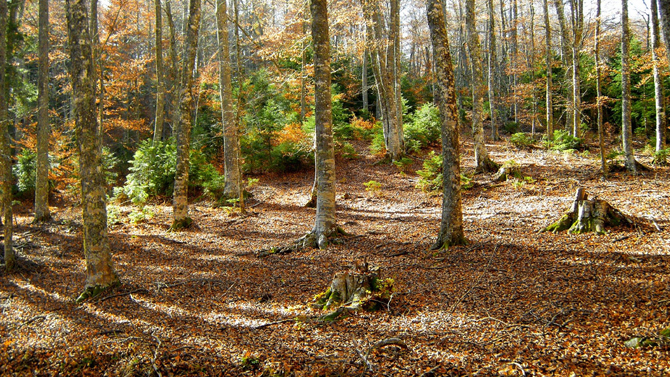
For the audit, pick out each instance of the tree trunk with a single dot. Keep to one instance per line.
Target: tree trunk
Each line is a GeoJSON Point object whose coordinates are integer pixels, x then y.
{"type": "Point", "coordinates": [175, 88]}
{"type": "Point", "coordinates": [383, 63]}
{"type": "Point", "coordinates": [588, 215]}
{"type": "Point", "coordinates": [493, 73]}
{"type": "Point", "coordinates": [627, 128]}
{"type": "Point", "coordinates": [364, 85]}
{"type": "Point", "coordinates": [566, 55]}
{"type": "Point", "coordinates": [482, 159]}
{"type": "Point", "coordinates": [180, 197]}
{"type": "Point", "coordinates": [451, 225]}
{"type": "Point", "coordinates": [231, 141]}
{"type": "Point", "coordinates": [160, 84]}
{"type": "Point", "coordinates": [5, 147]}
{"type": "Point", "coordinates": [599, 104]}
{"type": "Point", "coordinates": [658, 83]}
{"type": "Point", "coordinates": [549, 61]}
{"type": "Point", "coordinates": [43, 128]}
{"type": "Point", "coordinates": [99, 270]}
{"type": "Point", "coordinates": [577, 9]}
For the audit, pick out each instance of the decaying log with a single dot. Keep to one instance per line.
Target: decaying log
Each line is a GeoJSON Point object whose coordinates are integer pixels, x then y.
{"type": "Point", "coordinates": [588, 215]}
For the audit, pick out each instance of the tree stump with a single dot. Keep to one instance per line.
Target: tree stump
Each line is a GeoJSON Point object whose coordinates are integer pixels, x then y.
{"type": "Point", "coordinates": [588, 215]}
{"type": "Point", "coordinates": [507, 172]}
{"type": "Point", "coordinates": [358, 288]}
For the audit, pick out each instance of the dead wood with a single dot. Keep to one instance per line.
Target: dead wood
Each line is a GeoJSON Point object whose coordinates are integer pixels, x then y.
{"type": "Point", "coordinates": [588, 215]}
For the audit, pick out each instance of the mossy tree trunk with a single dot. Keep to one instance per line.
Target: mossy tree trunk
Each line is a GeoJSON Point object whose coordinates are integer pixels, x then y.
{"type": "Point", "coordinates": [99, 270]}
{"type": "Point", "coordinates": [626, 122]}
{"type": "Point", "coordinates": [588, 215]}
{"type": "Point", "coordinates": [180, 196]}
{"type": "Point", "coordinates": [658, 84]}
{"type": "Point", "coordinates": [451, 225]}
{"type": "Point", "coordinates": [160, 81]}
{"type": "Point", "coordinates": [548, 55]}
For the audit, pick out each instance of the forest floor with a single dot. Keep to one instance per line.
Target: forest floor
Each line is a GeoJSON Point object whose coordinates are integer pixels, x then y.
{"type": "Point", "coordinates": [511, 302]}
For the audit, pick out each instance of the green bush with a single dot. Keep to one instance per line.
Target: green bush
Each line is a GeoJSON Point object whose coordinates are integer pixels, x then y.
{"type": "Point", "coordinates": [378, 146]}
{"type": "Point", "coordinates": [152, 171]}
{"type": "Point", "coordinates": [431, 174]}
{"type": "Point", "coordinates": [511, 127]}
{"type": "Point", "coordinates": [562, 140]}
{"type": "Point", "coordinates": [24, 174]}
{"type": "Point", "coordinates": [521, 140]}
{"type": "Point", "coordinates": [422, 128]}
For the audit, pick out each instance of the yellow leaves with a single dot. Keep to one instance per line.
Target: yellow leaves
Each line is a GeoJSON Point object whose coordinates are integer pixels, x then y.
{"type": "Point", "coordinates": [292, 133]}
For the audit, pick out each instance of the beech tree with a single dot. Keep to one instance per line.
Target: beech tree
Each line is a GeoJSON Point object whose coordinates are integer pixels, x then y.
{"type": "Point", "coordinates": [180, 196]}
{"type": "Point", "coordinates": [451, 225]}
{"type": "Point", "coordinates": [599, 100]}
{"type": "Point", "coordinates": [658, 83]}
{"type": "Point", "coordinates": [482, 160]}
{"type": "Point", "coordinates": [493, 73]}
{"type": "Point", "coordinates": [627, 128]}
{"type": "Point", "coordinates": [43, 128]}
{"type": "Point", "coordinates": [231, 142]}
{"type": "Point", "coordinates": [548, 60]}
{"type": "Point", "coordinates": [5, 147]}
{"type": "Point", "coordinates": [99, 270]}
{"type": "Point", "coordinates": [160, 84]}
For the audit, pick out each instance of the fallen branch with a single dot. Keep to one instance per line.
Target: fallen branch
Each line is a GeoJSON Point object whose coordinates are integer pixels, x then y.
{"type": "Point", "coordinates": [155, 355]}
{"type": "Point", "coordinates": [388, 342]}
{"type": "Point", "coordinates": [268, 324]}
{"type": "Point", "coordinates": [33, 319]}
{"type": "Point", "coordinates": [476, 283]}
{"type": "Point", "coordinates": [368, 365]}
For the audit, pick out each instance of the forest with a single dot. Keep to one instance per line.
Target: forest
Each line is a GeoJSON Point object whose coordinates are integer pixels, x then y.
{"type": "Point", "coordinates": [334, 188]}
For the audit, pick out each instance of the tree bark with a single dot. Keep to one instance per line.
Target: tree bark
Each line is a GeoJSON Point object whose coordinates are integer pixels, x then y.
{"type": "Point", "coordinates": [599, 104]}
{"type": "Point", "coordinates": [549, 61]}
{"type": "Point", "coordinates": [99, 270]}
{"type": "Point", "coordinates": [160, 81]}
{"type": "Point", "coordinates": [627, 128]}
{"type": "Point", "coordinates": [493, 73]}
{"type": "Point", "coordinates": [5, 147]}
{"type": "Point", "coordinates": [588, 215]}
{"type": "Point", "coordinates": [325, 154]}
{"type": "Point", "coordinates": [577, 9]}
{"type": "Point", "coordinates": [566, 50]}
{"type": "Point", "coordinates": [180, 197]}
{"type": "Point", "coordinates": [42, 212]}
{"type": "Point", "coordinates": [482, 160]}
{"type": "Point", "coordinates": [451, 225]}
{"type": "Point", "coordinates": [175, 88]}
{"type": "Point", "coordinates": [382, 51]}
{"type": "Point", "coordinates": [231, 141]}
{"type": "Point", "coordinates": [658, 81]}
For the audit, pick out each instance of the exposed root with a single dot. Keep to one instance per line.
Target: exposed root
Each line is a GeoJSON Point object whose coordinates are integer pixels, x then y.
{"type": "Point", "coordinates": [93, 291]}
{"type": "Point", "coordinates": [311, 240]}
{"type": "Point", "coordinates": [178, 225]}
{"type": "Point", "coordinates": [487, 166]}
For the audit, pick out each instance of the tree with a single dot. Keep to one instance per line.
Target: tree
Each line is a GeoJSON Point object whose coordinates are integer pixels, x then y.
{"type": "Point", "coordinates": [160, 84]}
{"type": "Point", "coordinates": [43, 128]}
{"type": "Point", "coordinates": [231, 142]}
{"type": "Point", "coordinates": [99, 270]}
{"type": "Point", "coordinates": [180, 196]}
{"type": "Point", "coordinates": [482, 159]}
{"type": "Point", "coordinates": [385, 68]}
{"type": "Point", "coordinates": [658, 81]}
{"type": "Point", "coordinates": [325, 154]}
{"type": "Point", "coordinates": [5, 146]}
{"type": "Point", "coordinates": [451, 225]}
{"type": "Point", "coordinates": [493, 73]}
{"type": "Point", "coordinates": [549, 61]}
{"type": "Point", "coordinates": [599, 103]}
{"type": "Point", "coordinates": [627, 128]}
{"type": "Point", "coordinates": [664, 10]}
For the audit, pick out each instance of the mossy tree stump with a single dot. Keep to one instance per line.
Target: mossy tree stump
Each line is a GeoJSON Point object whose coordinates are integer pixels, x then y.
{"type": "Point", "coordinates": [358, 288]}
{"type": "Point", "coordinates": [588, 215]}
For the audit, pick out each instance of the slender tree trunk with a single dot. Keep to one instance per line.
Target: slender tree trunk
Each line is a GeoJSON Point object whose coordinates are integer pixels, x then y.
{"type": "Point", "coordinates": [493, 73]}
{"type": "Point", "coordinates": [325, 155]}
{"type": "Point", "coordinates": [42, 212]}
{"type": "Point", "coordinates": [514, 20]}
{"type": "Point", "coordinates": [364, 79]}
{"type": "Point", "coordinates": [658, 81]}
{"type": "Point", "coordinates": [577, 10]}
{"type": "Point", "coordinates": [394, 36]}
{"type": "Point", "coordinates": [627, 128]}
{"type": "Point", "coordinates": [531, 69]}
{"type": "Point", "coordinates": [180, 197]}
{"type": "Point", "coordinates": [451, 225]}
{"type": "Point", "coordinates": [566, 51]}
{"type": "Point", "coordinates": [175, 88]}
{"type": "Point", "coordinates": [601, 136]}
{"type": "Point", "coordinates": [160, 84]}
{"type": "Point", "coordinates": [482, 159]}
{"type": "Point", "coordinates": [549, 60]}
{"type": "Point", "coordinates": [99, 270]}
{"type": "Point", "coordinates": [303, 63]}
{"type": "Point", "coordinates": [5, 146]}
{"type": "Point", "coordinates": [231, 141]}
{"type": "Point", "coordinates": [664, 10]}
